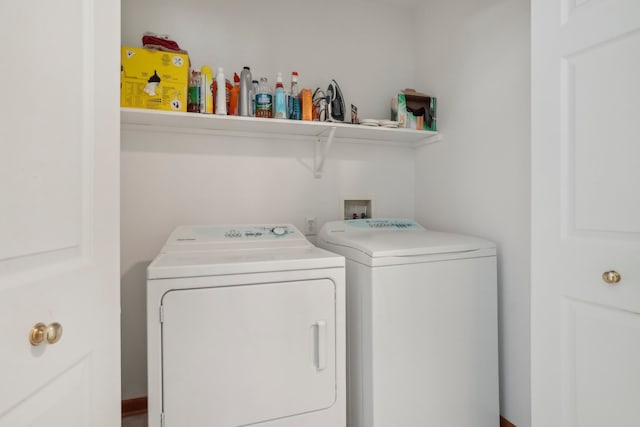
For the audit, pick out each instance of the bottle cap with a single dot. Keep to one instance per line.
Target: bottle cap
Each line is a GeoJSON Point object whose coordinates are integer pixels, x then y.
{"type": "Point", "coordinates": [236, 78]}
{"type": "Point", "coordinates": [206, 71]}
{"type": "Point", "coordinates": [279, 78]}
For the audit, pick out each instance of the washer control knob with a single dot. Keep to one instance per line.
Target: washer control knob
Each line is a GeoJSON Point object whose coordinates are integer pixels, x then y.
{"type": "Point", "coordinates": [279, 231]}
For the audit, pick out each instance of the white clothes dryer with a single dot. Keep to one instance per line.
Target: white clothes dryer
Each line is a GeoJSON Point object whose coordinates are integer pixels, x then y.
{"type": "Point", "coordinates": [246, 326]}
{"type": "Point", "coordinates": [422, 324]}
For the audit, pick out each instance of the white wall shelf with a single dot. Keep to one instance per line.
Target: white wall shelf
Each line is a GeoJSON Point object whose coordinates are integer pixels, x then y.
{"type": "Point", "coordinates": [323, 133]}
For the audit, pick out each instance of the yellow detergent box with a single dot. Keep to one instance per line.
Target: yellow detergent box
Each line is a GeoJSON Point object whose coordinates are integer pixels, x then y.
{"type": "Point", "coordinates": [153, 79]}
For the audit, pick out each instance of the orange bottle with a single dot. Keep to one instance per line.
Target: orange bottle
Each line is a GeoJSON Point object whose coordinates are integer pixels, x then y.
{"type": "Point", "coordinates": [235, 94]}
{"type": "Point", "coordinates": [306, 104]}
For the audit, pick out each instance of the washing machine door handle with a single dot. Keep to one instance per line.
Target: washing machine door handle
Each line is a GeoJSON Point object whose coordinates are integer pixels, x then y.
{"type": "Point", "coordinates": [321, 344]}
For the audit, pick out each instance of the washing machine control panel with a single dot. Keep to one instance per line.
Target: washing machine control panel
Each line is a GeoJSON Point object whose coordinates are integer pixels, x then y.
{"type": "Point", "coordinates": [384, 224]}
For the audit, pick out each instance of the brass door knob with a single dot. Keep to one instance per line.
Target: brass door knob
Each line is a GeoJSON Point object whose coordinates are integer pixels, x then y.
{"type": "Point", "coordinates": [611, 277]}
{"type": "Point", "coordinates": [37, 334]}
{"type": "Point", "coordinates": [41, 332]}
{"type": "Point", "coordinates": [54, 332]}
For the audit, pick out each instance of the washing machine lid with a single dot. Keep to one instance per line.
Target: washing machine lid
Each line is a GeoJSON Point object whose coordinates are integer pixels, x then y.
{"type": "Point", "coordinates": [396, 238]}
{"type": "Point", "coordinates": [197, 251]}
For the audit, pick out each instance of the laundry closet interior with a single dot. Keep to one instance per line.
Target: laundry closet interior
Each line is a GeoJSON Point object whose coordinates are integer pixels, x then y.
{"type": "Point", "coordinates": [473, 55]}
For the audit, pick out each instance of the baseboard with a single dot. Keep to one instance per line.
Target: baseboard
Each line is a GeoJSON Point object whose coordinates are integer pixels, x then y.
{"type": "Point", "coordinates": [139, 406]}
{"type": "Point", "coordinates": [134, 406]}
{"type": "Point", "coordinates": [506, 423]}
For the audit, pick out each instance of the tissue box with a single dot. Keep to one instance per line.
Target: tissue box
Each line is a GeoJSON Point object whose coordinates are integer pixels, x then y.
{"type": "Point", "coordinates": [153, 79]}
{"type": "Point", "coordinates": [414, 110]}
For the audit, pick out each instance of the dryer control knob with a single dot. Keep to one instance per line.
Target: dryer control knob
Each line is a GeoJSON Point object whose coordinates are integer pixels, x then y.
{"type": "Point", "coordinates": [279, 231]}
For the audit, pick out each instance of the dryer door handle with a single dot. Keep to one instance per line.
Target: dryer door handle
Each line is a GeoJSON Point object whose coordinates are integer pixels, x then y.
{"type": "Point", "coordinates": [321, 345]}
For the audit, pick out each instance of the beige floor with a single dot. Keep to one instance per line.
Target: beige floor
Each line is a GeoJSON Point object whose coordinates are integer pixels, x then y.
{"type": "Point", "coordinates": [135, 421]}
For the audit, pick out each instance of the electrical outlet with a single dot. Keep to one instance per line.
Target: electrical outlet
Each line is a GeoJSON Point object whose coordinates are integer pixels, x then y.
{"type": "Point", "coordinates": [310, 226]}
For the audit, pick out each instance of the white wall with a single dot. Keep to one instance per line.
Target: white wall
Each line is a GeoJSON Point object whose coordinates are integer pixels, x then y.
{"type": "Point", "coordinates": [172, 179]}
{"type": "Point", "coordinates": [168, 181]}
{"type": "Point", "coordinates": [472, 54]}
{"type": "Point", "coordinates": [364, 44]}
{"type": "Point", "coordinates": [475, 59]}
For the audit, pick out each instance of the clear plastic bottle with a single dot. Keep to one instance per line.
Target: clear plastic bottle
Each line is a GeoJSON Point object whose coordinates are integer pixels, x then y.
{"type": "Point", "coordinates": [254, 92]}
{"type": "Point", "coordinates": [279, 100]}
{"type": "Point", "coordinates": [264, 99]}
{"type": "Point", "coordinates": [294, 98]}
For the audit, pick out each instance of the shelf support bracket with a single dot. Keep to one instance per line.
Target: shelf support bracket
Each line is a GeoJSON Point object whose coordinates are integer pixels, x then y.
{"type": "Point", "coordinates": [322, 149]}
{"type": "Point", "coordinates": [430, 140]}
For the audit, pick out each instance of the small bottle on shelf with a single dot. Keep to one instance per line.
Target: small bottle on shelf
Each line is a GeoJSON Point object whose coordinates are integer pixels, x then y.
{"type": "Point", "coordinates": [306, 104]}
{"type": "Point", "coordinates": [280, 100]}
{"type": "Point", "coordinates": [206, 90]}
{"type": "Point", "coordinates": [264, 99]}
{"type": "Point", "coordinates": [235, 95]}
{"type": "Point", "coordinates": [294, 98]}
{"type": "Point", "coordinates": [254, 92]}
{"type": "Point", "coordinates": [246, 99]}
{"type": "Point", "coordinates": [193, 104]}
{"type": "Point", "coordinates": [221, 95]}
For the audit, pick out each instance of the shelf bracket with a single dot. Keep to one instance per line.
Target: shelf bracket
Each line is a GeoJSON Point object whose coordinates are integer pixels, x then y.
{"type": "Point", "coordinates": [321, 151]}
{"type": "Point", "coordinates": [430, 140]}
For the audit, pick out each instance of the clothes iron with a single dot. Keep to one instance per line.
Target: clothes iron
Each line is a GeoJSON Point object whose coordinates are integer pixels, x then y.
{"type": "Point", "coordinates": [335, 102]}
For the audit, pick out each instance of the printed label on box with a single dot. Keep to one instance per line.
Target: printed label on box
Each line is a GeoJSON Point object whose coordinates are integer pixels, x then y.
{"type": "Point", "coordinates": [154, 79]}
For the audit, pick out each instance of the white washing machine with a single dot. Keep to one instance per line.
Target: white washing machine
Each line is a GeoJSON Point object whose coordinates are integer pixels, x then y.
{"type": "Point", "coordinates": [422, 324]}
{"type": "Point", "coordinates": [246, 326]}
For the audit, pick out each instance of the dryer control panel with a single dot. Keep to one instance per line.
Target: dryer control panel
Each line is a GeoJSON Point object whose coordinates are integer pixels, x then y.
{"type": "Point", "coordinates": [260, 232]}
{"type": "Point", "coordinates": [234, 237]}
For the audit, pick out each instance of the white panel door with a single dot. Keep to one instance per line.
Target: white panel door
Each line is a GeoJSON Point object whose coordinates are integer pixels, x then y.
{"type": "Point", "coordinates": [585, 213]}
{"type": "Point", "coordinates": [240, 355]}
{"type": "Point", "coordinates": [59, 215]}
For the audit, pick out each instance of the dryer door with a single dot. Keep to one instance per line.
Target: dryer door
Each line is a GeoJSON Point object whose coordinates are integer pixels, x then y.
{"type": "Point", "coordinates": [241, 355]}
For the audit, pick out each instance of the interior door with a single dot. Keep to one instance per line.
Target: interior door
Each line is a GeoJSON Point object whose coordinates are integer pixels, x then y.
{"type": "Point", "coordinates": [59, 214]}
{"type": "Point", "coordinates": [585, 213]}
{"type": "Point", "coordinates": [239, 355]}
